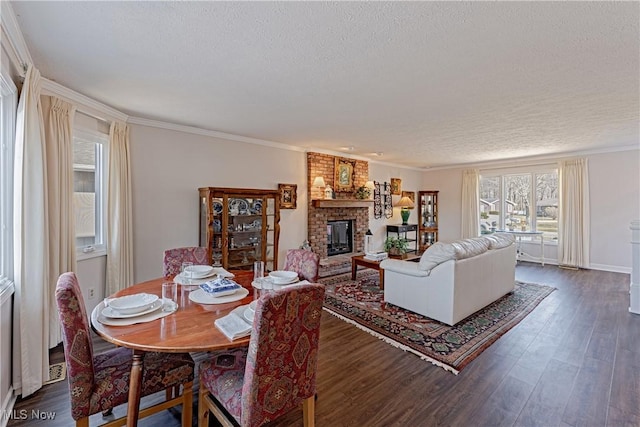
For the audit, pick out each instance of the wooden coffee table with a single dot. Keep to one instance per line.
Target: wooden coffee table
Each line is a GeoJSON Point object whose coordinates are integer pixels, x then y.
{"type": "Point", "coordinates": [360, 260]}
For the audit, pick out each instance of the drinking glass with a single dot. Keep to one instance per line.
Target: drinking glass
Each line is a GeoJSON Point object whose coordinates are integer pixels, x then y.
{"type": "Point", "coordinates": [169, 296]}
{"type": "Point", "coordinates": [258, 277]}
{"type": "Point", "coordinates": [258, 270]}
{"type": "Point", "coordinates": [186, 271]}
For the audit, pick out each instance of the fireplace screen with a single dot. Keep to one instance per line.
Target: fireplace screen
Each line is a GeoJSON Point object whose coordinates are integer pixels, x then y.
{"type": "Point", "coordinates": [339, 237]}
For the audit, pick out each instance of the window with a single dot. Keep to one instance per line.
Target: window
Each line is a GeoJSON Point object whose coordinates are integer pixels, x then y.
{"type": "Point", "coordinates": [89, 195]}
{"type": "Point", "coordinates": [8, 107]}
{"type": "Point", "coordinates": [520, 201]}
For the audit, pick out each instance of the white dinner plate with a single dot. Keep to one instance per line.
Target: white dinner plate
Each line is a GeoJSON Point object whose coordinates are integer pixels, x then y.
{"type": "Point", "coordinates": [283, 277]}
{"type": "Point", "coordinates": [115, 314]}
{"type": "Point", "coordinates": [181, 280]}
{"type": "Point", "coordinates": [258, 283]}
{"type": "Point", "coordinates": [133, 304]}
{"type": "Point", "coordinates": [200, 271]}
{"type": "Point", "coordinates": [202, 297]}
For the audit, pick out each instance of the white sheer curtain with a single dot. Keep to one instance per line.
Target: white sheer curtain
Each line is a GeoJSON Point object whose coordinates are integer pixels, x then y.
{"type": "Point", "coordinates": [119, 222]}
{"type": "Point", "coordinates": [470, 203]}
{"type": "Point", "coordinates": [31, 243]}
{"type": "Point", "coordinates": [573, 224]}
{"type": "Point", "coordinates": [58, 116]}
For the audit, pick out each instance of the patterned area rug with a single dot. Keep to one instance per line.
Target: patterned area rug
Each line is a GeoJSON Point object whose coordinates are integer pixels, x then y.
{"type": "Point", "coordinates": [360, 302]}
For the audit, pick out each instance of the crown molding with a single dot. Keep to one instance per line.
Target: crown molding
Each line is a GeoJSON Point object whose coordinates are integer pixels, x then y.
{"type": "Point", "coordinates": [83, 103]}
{"type": "Point", "coordinates": [212, 133]}
{"type": "Point", "coordinates": [535, 160]}
{"type": "Point", "coordinates": [239, 138]}
{"type": "Point", "coordinates": [16, 43]}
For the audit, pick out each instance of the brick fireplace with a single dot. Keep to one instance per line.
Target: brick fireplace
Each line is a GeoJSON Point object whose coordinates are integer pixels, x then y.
{"type": "Point", "coordinates": [344, 208]}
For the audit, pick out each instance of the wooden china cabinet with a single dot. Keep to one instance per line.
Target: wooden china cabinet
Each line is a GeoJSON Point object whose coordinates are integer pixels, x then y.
{"type": "Point", "coordinates": [427, 219]}
{"type": "Point", "coordinates": [240, 226]}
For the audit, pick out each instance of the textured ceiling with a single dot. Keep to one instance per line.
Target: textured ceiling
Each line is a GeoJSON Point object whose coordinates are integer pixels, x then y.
{"type": "Point", "coordinates": [426, 83]}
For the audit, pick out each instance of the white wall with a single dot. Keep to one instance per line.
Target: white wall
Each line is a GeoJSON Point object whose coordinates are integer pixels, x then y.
{"type": "Point", "coordinates": [168, 167]}
{"type": "Point", "coordinates": [411, 181]}
{"type": "Point", "coordinates": [614, 181]}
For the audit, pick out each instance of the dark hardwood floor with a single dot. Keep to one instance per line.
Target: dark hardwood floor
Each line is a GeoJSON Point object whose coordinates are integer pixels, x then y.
{"type": "Point", "coordinates": [574, 361]}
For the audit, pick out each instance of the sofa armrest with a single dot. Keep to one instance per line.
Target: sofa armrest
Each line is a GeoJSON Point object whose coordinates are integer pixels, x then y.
{"type": "Point", "coordinates": [404, 267]}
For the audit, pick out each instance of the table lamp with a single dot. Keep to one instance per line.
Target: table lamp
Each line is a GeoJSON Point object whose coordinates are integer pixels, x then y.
{"type": "Point", "coordinates": [405, 203]}
{"type": "Point", "coordinates": [318, 182]}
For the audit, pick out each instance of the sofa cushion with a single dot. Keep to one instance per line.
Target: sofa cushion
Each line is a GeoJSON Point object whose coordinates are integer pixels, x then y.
{"type": "Point", "coordinates": [468, 248]}
{"type": "Point", "coordinates": [437, 253]}
{"type": "Point", "coordinates": [500, 240]}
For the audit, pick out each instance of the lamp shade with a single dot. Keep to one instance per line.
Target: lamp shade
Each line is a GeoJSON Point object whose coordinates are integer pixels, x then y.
{"type": "Point", "coordinates": [370, 185]}
{"type": "Point", "coordinates": [405, 202]}
{"type": "Point", "coordinates": [318, 182]}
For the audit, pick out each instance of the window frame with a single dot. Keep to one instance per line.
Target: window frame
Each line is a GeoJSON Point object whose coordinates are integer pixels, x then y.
{"type": "Point", "coordinates": [101, 177]}
{"type": "Point", "coordinates": [533, 172]}
{"type": "Point", "coordinates": [8, 114]}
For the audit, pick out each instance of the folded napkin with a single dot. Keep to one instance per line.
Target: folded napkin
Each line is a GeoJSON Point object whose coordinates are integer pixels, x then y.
{"type": "Point", "coordinates": [302, 282]}
{"type": "Point", "coordinates": [221, 272]}
{"type": "Point", "coordinates": [219, 285]}
{"type": "Point", "coordinates": [234, 325]}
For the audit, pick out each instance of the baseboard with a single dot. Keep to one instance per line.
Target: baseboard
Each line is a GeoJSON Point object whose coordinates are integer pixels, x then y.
{"type": "Point", "coordinates": [611, 268]}
{"type": "Point", "coordinates": [7, 407]}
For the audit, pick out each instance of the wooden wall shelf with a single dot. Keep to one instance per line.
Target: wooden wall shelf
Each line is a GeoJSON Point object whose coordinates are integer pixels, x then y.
{"type": "Point", "coordinates": [341, 203]}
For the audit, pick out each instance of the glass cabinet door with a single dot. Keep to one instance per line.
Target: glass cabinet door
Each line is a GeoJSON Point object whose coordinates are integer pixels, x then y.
{"type": "Point", "coordinates": [246, 242]}
{"type": "Point", "coordinates": [428, 220]}
{"type": "Point", "coordinates": [240, 226]}
{"type": "Point", "coordinates": [270, 234]}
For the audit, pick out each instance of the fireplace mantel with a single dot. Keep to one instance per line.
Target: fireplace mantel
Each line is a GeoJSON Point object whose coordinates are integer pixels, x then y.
{"type": "Point", "coordinates": [341, 203]}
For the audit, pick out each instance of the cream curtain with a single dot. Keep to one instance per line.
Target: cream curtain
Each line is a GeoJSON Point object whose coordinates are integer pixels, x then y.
{"type": "Point", "coordinates": [119, 222]}
{"type": "Point", "coordinates": [44, 240]}
{"type": "Point", "coordinates": [573, 223]}
{"type": "Point", "coordinates": [58, 116]}
{"type": "Point", "coordinates": [470, 203]}
{"type": "Point", "coordinates": [31, 243]}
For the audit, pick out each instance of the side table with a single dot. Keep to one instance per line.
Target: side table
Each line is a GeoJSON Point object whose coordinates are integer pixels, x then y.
{"type": "Point", "coordinates": [362, 261]}
{"type": "Point", "coordinates": [400, 229]}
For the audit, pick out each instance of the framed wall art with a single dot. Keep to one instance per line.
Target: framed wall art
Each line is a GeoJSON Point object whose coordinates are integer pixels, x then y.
{"type": "Point", "coordinates": [288, 195]}
{"type": "Point", "coordinates": [396, 184]}
{"type": "Point", "coordinates": [345, 174]}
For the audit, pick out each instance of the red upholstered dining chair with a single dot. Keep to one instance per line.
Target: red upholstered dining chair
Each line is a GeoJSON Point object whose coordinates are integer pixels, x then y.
{"type": "Point", "coordinates": [100, 382]}
{"type": "Point", "coordinates": [173, 258]}
{"type": "Point", "coordinates": [276, 373]}
{"type": "Point", "coordinates": [303, 262]}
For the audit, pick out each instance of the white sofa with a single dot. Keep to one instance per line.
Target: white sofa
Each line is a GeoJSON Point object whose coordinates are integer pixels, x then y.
{"type": "Point", "coordinates": [453, 280]}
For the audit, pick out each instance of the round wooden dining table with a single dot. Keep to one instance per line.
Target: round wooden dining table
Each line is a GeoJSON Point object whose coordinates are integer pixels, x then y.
{"type": "Point", "coordinates": [189, 329]}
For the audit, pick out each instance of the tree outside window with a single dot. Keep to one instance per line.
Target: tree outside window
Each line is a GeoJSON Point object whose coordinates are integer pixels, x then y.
{"type": "Point", "coordinates": [512, 202]}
